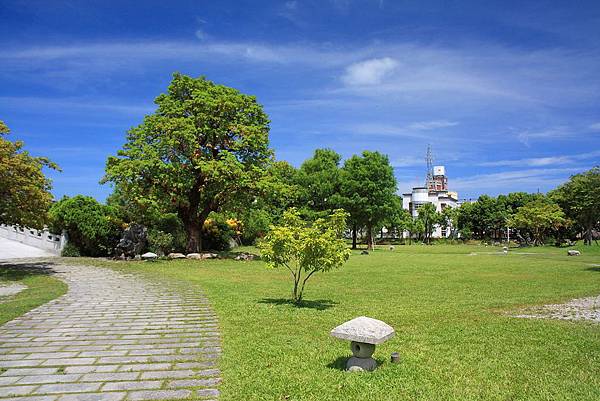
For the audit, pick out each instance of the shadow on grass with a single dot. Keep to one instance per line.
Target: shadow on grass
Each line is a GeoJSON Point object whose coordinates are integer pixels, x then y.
{"type": "Point", "coordinates": [593, 269]}
{"type": "Point", "coordinates": [318, 304]}
{"type": "Point", "coordinates": [340, 363]}
{"type": "Point", "coordinates": [17, 271]}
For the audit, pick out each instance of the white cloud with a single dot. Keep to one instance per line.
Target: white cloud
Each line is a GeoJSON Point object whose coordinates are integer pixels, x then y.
{"type": "Point", "coordinates": [429, 125]}
{"type": "Point", "coordinates": [369, 72]}
{"type": "Point", "coordinates": [595, 127]}
{"type": "Point", "coordinates": [543, 161]}
{"type": "Point", "coordinates": [411, 130]}
{"type": "Point", "coordinates": [513, 180]}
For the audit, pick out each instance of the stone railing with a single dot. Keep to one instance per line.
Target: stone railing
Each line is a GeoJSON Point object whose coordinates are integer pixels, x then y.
{"type": "Point", "coordinates": [41, 239]}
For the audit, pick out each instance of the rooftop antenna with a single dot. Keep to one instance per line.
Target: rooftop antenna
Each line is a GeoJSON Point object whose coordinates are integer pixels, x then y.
{"type": "Point", "coordinates": [429, 160]}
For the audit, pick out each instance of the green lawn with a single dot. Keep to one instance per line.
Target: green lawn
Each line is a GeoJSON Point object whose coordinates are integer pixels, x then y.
{"type": "Point", "coordinates": [41, 288]}
{"type": "Point", "coordinates": [449, 310]}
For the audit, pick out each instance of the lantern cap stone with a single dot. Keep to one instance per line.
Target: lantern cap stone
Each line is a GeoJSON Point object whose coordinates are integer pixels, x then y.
{"type": "Point", "coordinates": [364, 330]}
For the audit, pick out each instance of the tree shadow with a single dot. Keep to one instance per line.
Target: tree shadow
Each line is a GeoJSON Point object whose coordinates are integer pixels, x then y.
{"type": "Point", "coordinates": [17, 271]}
{"type": "Point", "coordinates": [318, 304]}
{"type": "Point", "coordinates": [593, 268]}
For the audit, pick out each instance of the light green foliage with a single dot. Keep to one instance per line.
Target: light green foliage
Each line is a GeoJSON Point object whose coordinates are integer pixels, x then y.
{"type": "Point", "coordinates": [92, 227]}
{"type": "Point", "coordinates": [429, 218]}
{"type": "Point", "coordinates": [24, 190]}
{"type": "Point", "coordinates": [305, 249]}
{"type": "Point", "coordinates": [580, 200]}
{"type": "Point", "coordinates": [368, 190]}
{"type": "Point", "coordinates": [205, 146]}
{"type": "Point", "coordinates": [539, 217]}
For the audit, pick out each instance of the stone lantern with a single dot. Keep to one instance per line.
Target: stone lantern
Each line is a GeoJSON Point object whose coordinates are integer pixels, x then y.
{"type": "Point", "coordinates": [364, 333]}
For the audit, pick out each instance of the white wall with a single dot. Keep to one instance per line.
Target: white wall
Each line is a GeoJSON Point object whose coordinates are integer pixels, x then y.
{"type": "Point", "coordinates": [39, 239]}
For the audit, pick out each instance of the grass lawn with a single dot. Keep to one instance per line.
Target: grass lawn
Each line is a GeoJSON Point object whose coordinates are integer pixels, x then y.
{"type": "Point", "coordinates": [448, 306]}
{"type": "Point", "coordinates": [41, 288]}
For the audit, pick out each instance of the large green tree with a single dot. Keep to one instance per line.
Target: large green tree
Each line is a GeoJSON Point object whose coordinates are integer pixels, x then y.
{"type": "Point", "coordinates": [367, 190]}
{"type": "Point", "coordinates": [318, 180]}
{"type": "Point", "coordinates": [580, 200]}
{"type": "Point", "coordinates": [540, 218]}
{"type": "Point", "coordinates": [24, 189]}
{"type": "Point", "coordinates": [205, 146]}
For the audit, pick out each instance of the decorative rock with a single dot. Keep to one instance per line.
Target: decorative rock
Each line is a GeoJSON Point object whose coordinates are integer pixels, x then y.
{"type": "Point", "coordinates": [573, 252]}
{"type": "Point", "coordinates": [134, 240]}
{"type": "Point", "coordinates": [364, 330]}
{"type": "Point", "coordinates": [245, 256]}
{"type": "Point", "coordinates": [209, 256]}
{"type": "Point", "coordinates": [149, 256]}
{"type": "Point", "coordinates": [354, 364]}
{"type": "Point", "coordinates": [364, 252]}
{"type": "Point", "coordinates": [193, 256]}
{"type": "Point", "coordinates": [175, 255]}
{"type": "Point", "coordinates": [395, 357]}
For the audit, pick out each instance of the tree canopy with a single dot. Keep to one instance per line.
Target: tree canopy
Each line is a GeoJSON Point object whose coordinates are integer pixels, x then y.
{"type": "Point", "coordinates": [368, 187]}
{"type": "Point", "coordinates": [205, 146]}
{"type": "Point", "coordinates": [580, 200]}
{"type": "Point", "coordinates": [24, 191]}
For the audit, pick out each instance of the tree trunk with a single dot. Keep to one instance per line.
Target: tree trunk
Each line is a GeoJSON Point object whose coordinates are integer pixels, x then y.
{"type": "Point", "coordinates": [354, 236]}
{"type": "Point", "coordinates": [193, 229]}
{"type": "Point", "coordinates": [370, 245]}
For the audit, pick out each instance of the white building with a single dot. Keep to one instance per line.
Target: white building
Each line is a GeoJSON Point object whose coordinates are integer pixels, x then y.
{"type": "Point", "coordinates": [435, 192]}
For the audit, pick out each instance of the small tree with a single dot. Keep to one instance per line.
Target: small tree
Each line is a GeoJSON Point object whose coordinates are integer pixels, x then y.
{"type": "Point", "coordinates": [430, 218]}
{"type": "Point", "coordinates": [306, 249]}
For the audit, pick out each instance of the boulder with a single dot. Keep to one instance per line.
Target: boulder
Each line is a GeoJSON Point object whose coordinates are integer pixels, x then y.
{"type": "Point", "coordinates": [245, 256]}
{"type": "Point", "coordinates": [133, 241]}
{"type": "Point", "coordinates": [573, 252]}
{"type": "Point", "coordinates": [209, 255]}
{"type": "Point", "coordinates": [176, 255]}
{"type": "Point", "coordinates": [149, 256]}
{"type": "Point", "coordinates": [193, 256]}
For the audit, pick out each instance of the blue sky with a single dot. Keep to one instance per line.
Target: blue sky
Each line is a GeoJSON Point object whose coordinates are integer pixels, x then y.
{"type": "Point", "coordinates": [506, 92]}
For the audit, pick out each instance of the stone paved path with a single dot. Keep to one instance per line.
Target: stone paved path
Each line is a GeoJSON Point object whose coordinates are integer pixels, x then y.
{"type": "Point", "coordinates": [112, 337]}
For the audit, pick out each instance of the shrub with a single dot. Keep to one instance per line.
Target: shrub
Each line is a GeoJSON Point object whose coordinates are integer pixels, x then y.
{"type": "Point", "coordinates": [160, 242]}
{"type": "Point", "coordinates": [256, 225]}
{"type": "Point", "coordinates": [70, 251]}
{"type": "Point", "coordinates": [306, 249]}
{"type": "Point", "coordinates": [217, 233]}
{"type": "Point", "coordinates": [92, 227]}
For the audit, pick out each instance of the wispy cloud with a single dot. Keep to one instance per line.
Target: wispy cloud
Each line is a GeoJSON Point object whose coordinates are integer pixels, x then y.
{"type": "Point", "coordinates": [412, 130]}
{"type": "Point", "coordinates": [543, 161]}
{"type": "Point", "coordinates": [507, 181]}
{"type": "Point", "coordinates": [595, 127]}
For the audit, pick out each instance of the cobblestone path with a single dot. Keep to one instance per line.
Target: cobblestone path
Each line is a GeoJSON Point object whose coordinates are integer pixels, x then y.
{"type": "Point", "coordinates": [112, 337]}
